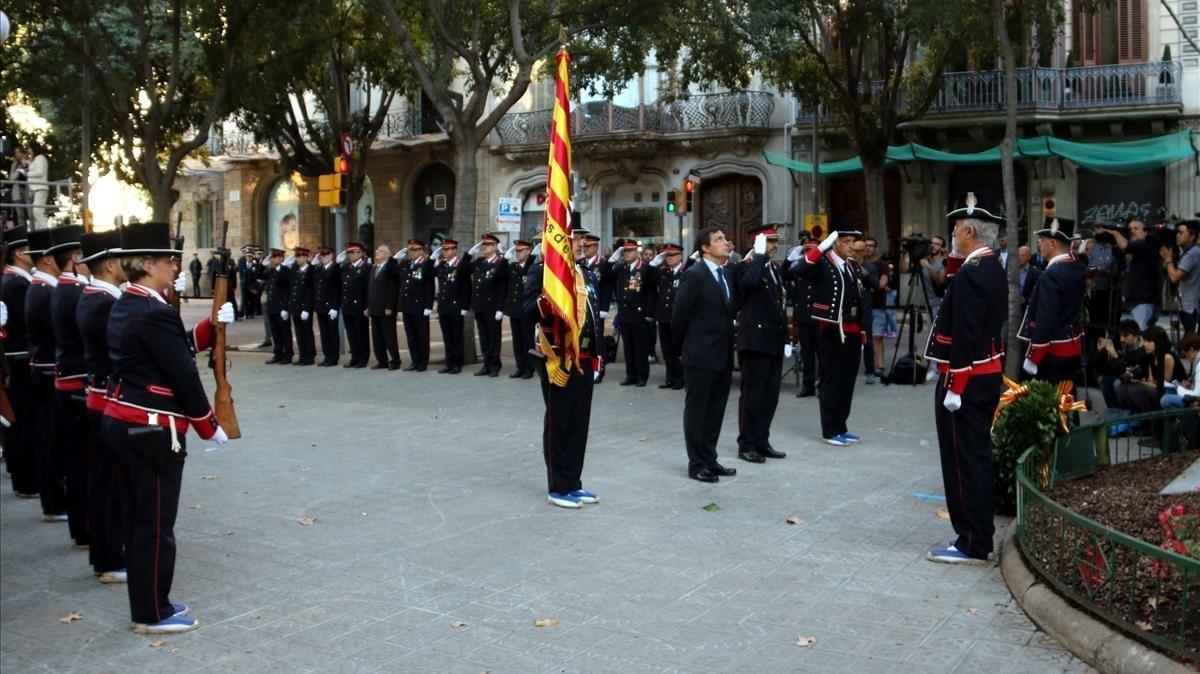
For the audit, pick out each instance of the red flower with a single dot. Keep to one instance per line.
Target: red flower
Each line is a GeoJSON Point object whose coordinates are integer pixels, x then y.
{"type": "Point", "coordinates": [1179, 510]}
{"type": "Point", "coordinates": [1179, 547]}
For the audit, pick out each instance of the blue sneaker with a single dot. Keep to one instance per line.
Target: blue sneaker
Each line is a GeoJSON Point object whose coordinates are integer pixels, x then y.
{"type": "Point", "coordinates": [180, 609]}
{"type": "Point", "coordinates": [585, 496]}
{"type": "Point", "coordinates": [952, 555]}
{"type": "Point", "coordinates": [836, 441]}
{"type": "Point", "coordinates": [564, 500]}
{"type": "Point", "coordinates": [172, 625]}
{"type": "Point", "coordinates": [850, 437]}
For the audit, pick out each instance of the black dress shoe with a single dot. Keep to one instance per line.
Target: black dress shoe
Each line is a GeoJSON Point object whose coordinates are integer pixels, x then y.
{"type": "Point", "coordinates": [493, 373]}
{"type": "Point", "coordinates": [444, 370]}
{"type": "Point", "coordinates": [302, 363]}
{"type": "Point", "coordinates": [678, 386]}
{"type": "Point", "coordinates": [483, 373]}
{"type": "Point", "coordinates": [628, 382]}
{"type": "Point", "coordinates": [411, 367]}
{"type": "Point", "coordinates": [394, 366]}
{"type": "Point", "coordinates": [516, 375]}
{"type": "Point", "coordinates": [752, 456]}
{"type": "Point", "coordinates": [771, 453]}
{"type": "Point", "coordinates": [667, 385]}
{"type": "Point", "coordinates": [527, 375]}
{"type": "Point", "coordinates": [350, 365]}
{"type": "Point", "coordinates": [325, 363]}
{"type": "Point", "coordinates": [455, 370]}
{"type": "Point", "coordinates": [641, 382]}
{"type": "Point", "coordinates": [704, 475]}
{"type": "Point", "coordinates": [379, 366]}
{"type": "Point", "coordinates": [420, 368]}
{"type": "Point", "coordinates": [273, 361]}
{"type": "Point", "coordinates": [359, 366]}
{"type": "Point", "coordinates": [718, 469]}
{"type": "Point", "coordinates": [807, 393]}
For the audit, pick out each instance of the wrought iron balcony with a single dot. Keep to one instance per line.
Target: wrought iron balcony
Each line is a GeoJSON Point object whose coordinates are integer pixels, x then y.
{"type": "Point", "coordinates": [232, 140]}
{"type": "Point", "coordinates": [1127, 85]}
{"type": "Point", "coordinates": [706, 112]}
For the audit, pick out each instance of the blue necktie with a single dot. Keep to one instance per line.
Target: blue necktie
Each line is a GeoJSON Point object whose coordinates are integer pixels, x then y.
{"type": "Point", "coordinates": [721, 278]}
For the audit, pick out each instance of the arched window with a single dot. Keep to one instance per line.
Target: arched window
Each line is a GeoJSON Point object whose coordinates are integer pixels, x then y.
{"type": "Point", "coordinates": [283, 215]}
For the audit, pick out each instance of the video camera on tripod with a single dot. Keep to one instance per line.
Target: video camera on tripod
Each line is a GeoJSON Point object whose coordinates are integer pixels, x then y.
{"type": "Point", "coordinates": [916, 246]}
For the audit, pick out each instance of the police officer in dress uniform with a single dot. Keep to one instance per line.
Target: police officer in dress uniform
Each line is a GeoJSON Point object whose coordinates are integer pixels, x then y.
{"type": "Point", "coordinates": [634, 290]}
{"type": "Point", "coordinates": [106, 500]}
{"type": "Point", "coordinates": [327, 302]}
{"type": "Point", "coordinates": [1051, 324]}
{"type": "Point", "coordinates": [278, 289]}
{"type": "Point", "coordinates": [799, 290]}
{"type": "Point", "coordinates": [489, 287]}
{"type": "Point", "coordinates": [762, 332]}
{"type": "Point", "coordinates": [668, 266]}
{"type": "Point", "coordinates": [383, 297]}
{"type": "Point", "coordinates": [302, 304]}
{"type": "Point", "coordinates": [966, 343]}
{"type": "Point", "coordinates": [154, 395]}
{"type": "Point", "coordinates": [453, 297]}
{"type": "Point", "coordinates": [356, 277]}
{"type": "Point", "coordinates": [21, 454]}
{"type": "Point", "coordinates": [837, 302]}
{"type": "Point", "coordinates": [416, 302]}
{"type": "Point", "coordinates": [519, 263]}
{"type": "Point", "coordinates": [40, 327]}
{"type": "Point", "coordinates": [69, 432]}
{"type": "Point", "coordinates": [602, 271]}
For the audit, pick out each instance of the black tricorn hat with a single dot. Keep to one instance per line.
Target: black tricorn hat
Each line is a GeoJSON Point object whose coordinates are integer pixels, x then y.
{"type": "Point", "coordinates": [100, 245]}
{"type": "Point", "coordinates": [147, 238]}
{"type": "Point", "coordinates": [980, 206]}
{"type": "Point", "coordinates": [64, 238]}
{"type": "Point", "coordinates": [40, 241]}
{"type": "Point", "coordinates": [1058, 228]}
{"type": "Point", "coordinates": [16, 237]}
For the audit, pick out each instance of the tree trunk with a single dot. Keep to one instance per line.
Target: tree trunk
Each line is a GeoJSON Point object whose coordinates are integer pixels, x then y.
{"type": "Point", "coordinates": [1015, 354]}
{"type": "Point", "coordinates": [466, 188]}
{"type": "Point", "coordinates": [876, 203]}
{"type": "Point", "coordinates": [162, 198]}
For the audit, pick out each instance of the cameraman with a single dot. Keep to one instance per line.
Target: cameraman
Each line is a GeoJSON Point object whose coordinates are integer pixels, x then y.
{"type": "Point", "coordinates": [1143, 282]}
{"type": "Point", "coordinates": [1184, 272]}
{"type": "Point", "coordinates": [1113, 361]}
{"type": "Point", "coordinates": [933, 271]}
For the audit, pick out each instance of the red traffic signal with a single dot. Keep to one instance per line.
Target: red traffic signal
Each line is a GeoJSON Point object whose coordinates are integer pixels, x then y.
{"type": "Point", "coordinates": [343, 164]}
{"type": "Point", "coordinates": [689, 192]}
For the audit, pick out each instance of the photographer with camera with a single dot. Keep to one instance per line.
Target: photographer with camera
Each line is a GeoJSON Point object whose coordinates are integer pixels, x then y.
{"type": "Point", "coordinates": [1113, 360]}
{"type": "Point", "coordinates": [1143, 282]}
{"type": "Point", "coordinates": [1144, 382]}
{"type": "Point", "coordinates": [930, 254]}
{"type": "Point", "coordinates": [1182, 270]}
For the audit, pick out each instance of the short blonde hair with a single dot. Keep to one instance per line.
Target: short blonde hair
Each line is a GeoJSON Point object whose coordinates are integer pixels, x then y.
{"type": "Point", "coordinates": [134, 266]}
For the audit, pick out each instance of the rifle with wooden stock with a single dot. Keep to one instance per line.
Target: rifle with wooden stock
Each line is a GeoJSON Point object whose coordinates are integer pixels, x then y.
{"type": "Point", "coordinates": [223, 399]}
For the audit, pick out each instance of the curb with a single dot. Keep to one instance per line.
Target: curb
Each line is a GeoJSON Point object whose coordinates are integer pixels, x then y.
{"type": "Point", "coordinates": [1088, 639]}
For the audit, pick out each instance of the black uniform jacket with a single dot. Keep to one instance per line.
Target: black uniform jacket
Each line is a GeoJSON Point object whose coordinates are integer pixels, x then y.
{"type": "Point", "coordinates": [327, 288]}
{"type": "Point", "coordinates": [966, 338]}
{"type": "Point", "coordinates": [416, 285]}
{"type": "Point", "coordinates": [453, 286]}
{"type": "Point", "coordinates": [702, 319]}
{"type": "Point", "coordinates": [666, 282]}
{"type": "Point", "coordinates": [15, 286]}
{"type": "Point", "coordinates": [591, 340]}
{"type": "Point", "coordinates": [1051, 324]}
{"type": "Point", "coordinates": [70, 369]}
{"type": "Point", "coordinates": [91, 318]}
{"type": "Point", "coordinates": [635, 291]}
{"type": "Point", "coordinates": [355, 279]}
{"type": "Point", "coordinates": [384, 291]}
{"type": "Point", "coordinates": [302, 293]}
{"type": "Point", "coordinates": [762, 311]}
{"type": "Point", "coordinates": [514, 302]}
{"type": "Point", "coordinates": [603, 271]}
{"type": "Point", "coordinates": [489, 284]}
{"type": "Point", "coordinates": [39, 324]}
{"type": "Point", "coordinates": [834, 297]}
{"type": "Point", "coordinates": [279, 283]}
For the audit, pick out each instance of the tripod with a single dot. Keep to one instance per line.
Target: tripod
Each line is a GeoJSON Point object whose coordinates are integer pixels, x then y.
{"type": "Point", "coordinates": [911, 313]}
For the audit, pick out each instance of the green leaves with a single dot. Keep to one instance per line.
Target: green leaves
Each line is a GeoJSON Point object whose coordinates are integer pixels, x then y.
{"type": "Point", "coordinates": [1030, 421]}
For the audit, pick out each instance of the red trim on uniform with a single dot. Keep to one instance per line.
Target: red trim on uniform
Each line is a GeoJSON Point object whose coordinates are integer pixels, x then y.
{"type": "Point", "coordinates": [136, 290]}
{"type": "Point", "coordinates": [117, 410]}
{"type": "Point", "coordinates": [69, 384]}
{"type": "Point", "coordinates": [96, 401]}
{"type": "Point", "coordinates": [956, 380]}
{"type": "Point", "coordinates": [813, 255]}
{"type": "Point", "coordinates": [160, 390]}
{"type": "Point", "coordinates": [1067, 349]}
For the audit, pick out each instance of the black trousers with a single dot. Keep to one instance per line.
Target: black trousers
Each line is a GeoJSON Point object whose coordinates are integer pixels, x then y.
{"type": "Point", "coordinates": [330, 337]}
{"type": "Point", "coordinates": [670, 357]}
{"type": "Point", "coordinates": [808, 354]}
{"type": "Point", "coordinates": [489, 340]}
{"type": "Point", "coordinates": [305, 343]}
{"type": "Point", "coordinates": [838, 369]}
{"type": "Point", "coordinates": [636, 336]}
{"type": "Point", "coordinates": [416, 331]}
{"type": "Point", "coordinates": [252, 304]}
{"type": "Point", "coordinates": [452, 338]}
{"type": "Point", "coordinates": [20, 454]}
{"type": "Point", "coordinates": [106, 512]}
{"type": "Point", "coordinates": [965, 442]}
{"type": "Point", "coordinates": [761, 377]}
{"type": "Point", "coordinates": [358, 337]}
{"type": "Point", "coordinates": [522, 342]}
{"type": "Point", "coordinates": [153, 502]}
{"type": "Point", "coordinates": [565, 429]}
{"type": "Point", "coordinates": [705, 394]}
{"type": "Point", "coordinates": [196, 287]}
{"type": "Point", "coordinates": [51, 462]}
{"type": "Point", "coordinates": [1054, 369]}
{"type": "Point", "coordinates": [70, 435]}
{"type": "Point", "coordinates": [385, 340]}
{"type": "Point", "coordinates": [281, 335]}
{"type": "Point", "coordinates": [868, 352]}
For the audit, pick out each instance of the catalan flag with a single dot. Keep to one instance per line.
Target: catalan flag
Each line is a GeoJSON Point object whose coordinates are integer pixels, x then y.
{"type": "Point", "coordinates": [562, 283]}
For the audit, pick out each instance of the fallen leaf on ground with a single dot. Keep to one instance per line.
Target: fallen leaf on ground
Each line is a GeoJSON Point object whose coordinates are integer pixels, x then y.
{"type": "Point", "coordinates": [157, 643]}
{"type": "Point", "coordinates": [795, 520]}
{"type": "Point", "coordinates": [458, 623]}
{"type": "Point", "coordinates": [282, 407]}
{"type": "Point", "coordinates": [1143, 625]}
{"type": "Point", "coordinates": [197, 506]}
{"type": "Point", "coordinates": [228, 533]}
{"type": "Point", "coordinates": [712, 507]}
{"type": "Point", "coordinates": [805, 642]}
{"type": "Point", "coordinates": [256, 616]}
{"type": "Point", "coordinates": [943, 514]}
{"type": "Point", "coordinates": [641, 439]}
{"type": "Point", "coordinates": [71, 617]}
{"type": "Point", "coordinates": [974, 611]}
{"type": "Point", "coordinates": [545, 622]}
{"type": "Point", "coordinates": [210, 477]}
{"type": "Point", "coordinates": [508, 435]}
{"type": "Point", "coordinates": [307, 521]}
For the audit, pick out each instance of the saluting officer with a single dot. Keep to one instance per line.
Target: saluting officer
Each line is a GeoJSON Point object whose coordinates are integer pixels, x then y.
{"type": "Point", "coordinates": [301, 304]}
{"type": "Point", "coordinates": [21, 455]}
{"type": "Point", "coordinates": [837, 303]}
{"type": "Point", "coordinates": [279, 281]}
{"type": "Point", "coordinates": [453, 297]}
{"type": "Point", "coordinates": [799, 294]}
{"type": "Point", "coordinates": [519, 264]}
{"type": "Point", "coordinates": [327, 302]}
{"type": "Point", "coordinates": [40, 327]}
{"type": "Point", "coordinates": [489, 285]}
{"type": "Point", "coordinates": [1051, 324]}
{"type": "Point", "coordinates": [967, 344]}
{"type": "Point", "coordinates": [154, 395]}
{"type": "Point", "coordinates": [762, 332]}
{"type": "Point", "coordinates": [416, 303]}
{"type": "Point", "coordinates": [635, 304]}
{"type": "Point", "coordinates": [668, 270]}
{"type": "Point", "coordinates": [356, 278]}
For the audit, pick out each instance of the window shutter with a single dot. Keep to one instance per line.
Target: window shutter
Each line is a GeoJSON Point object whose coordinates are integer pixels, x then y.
{"type": "Point", "coordinates": [1085, 36]}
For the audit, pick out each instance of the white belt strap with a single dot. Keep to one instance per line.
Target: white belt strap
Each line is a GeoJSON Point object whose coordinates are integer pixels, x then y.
{"type": "Point", "coordinates": [152, 418]}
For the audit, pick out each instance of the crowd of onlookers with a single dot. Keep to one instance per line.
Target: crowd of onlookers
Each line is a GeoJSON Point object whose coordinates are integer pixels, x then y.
{"type": "Point", "coordinates": [27, 183]}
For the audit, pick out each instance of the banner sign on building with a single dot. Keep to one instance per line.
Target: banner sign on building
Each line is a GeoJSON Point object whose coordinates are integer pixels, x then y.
{"type": "Point", "coordinates": [508, 214]}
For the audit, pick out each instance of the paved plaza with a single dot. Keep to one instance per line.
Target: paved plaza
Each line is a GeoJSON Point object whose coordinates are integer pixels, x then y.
{"type": "Point", "coordinates": [431, 547]}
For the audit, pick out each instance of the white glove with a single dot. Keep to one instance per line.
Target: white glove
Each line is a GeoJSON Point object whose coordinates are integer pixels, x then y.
{"type": "Point", "coordinates": [475, 249]}
{"type": "Point", "coordinates": [537, 250]}
{"type": "Point", "coordinates": [333, 314]}
{"type": "Point", "coordinates": [952, 402]}
{"type": "Point", "coordinates": [649, 319]}
{"type": "Point", "coordinates": [499, 315]}
{"type": "Point", "coordinates": [595, 376]}
{"type": "Point", "coordinates": [226, 314]}
{"type": "Point", "coordinates": [436, 254]}
{"type": "Point", "coordinates": [829, 241]}
{"type": "Point", "coordinates": [400, 254]}
{"type": "Point", "coordinates": [695, 256]}
{"type": "Point", "coordinates": [603, 315]}
{"type": "Point", "coordinates": [501, 249]}
{"type": "Point", "coordinates": [463, 312]}
{"type": "Point", "coordinates": [787, 350]}
{"type": "Point", "coordinates": [658, 260]}
{"type": "Point", "coordinates": [795, 253]}
{"type": "Point", "coordinates": [283, 315]}
{"type": "Point", "coordinates": [304, 315]}
{"type": "Point", "coordinates": [760, 244]}
{"type": "Point", "coordinates": [511, 254]}
{"type": "Point", "coordinates": [341, 257]}
{"type": "Point", "coordinates": [428, 313]}
{"type": "Point", "coordinates": [612, 259]}
{"type": "Point", "coordinates": [1030, 366]}
{"type": "Point", "coordinates": [3, 314]}
{"type": "Point", "coordinates": [219, 437]}
{"type": "Point", "coordinates": [289, 261]}
{"type": "Point", "coordinates": [181, 282]}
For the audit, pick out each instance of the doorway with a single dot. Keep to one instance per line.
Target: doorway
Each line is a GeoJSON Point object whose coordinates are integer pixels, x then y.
{"type": "Point", "coordinates": [433, 203]}
{"type": "Point", "coordinates": [732, 202]}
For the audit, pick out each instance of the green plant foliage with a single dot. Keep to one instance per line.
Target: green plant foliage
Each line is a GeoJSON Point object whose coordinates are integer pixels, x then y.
{"type": "Point", "coordinates": [1028, 422]}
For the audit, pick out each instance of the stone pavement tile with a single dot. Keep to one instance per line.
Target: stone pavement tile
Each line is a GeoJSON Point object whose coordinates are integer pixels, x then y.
{"type": "Point", "coordinates": [492, 658]}
{"type": "Point", "coordinates": [376, 657]}
{"type": "Point", "coordinates": [411, 617]}
{"type": "Point", "coordinates": [973, 664]}
{"type": "Point", "coordinates": [421, 636]}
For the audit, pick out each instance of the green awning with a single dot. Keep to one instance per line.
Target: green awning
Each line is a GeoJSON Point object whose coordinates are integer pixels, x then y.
{"type": "Point", "coordinates": [1121, 158]}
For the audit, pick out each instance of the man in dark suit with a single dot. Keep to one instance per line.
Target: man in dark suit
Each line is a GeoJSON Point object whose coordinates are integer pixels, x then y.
{"type": "Point", "coordinates": [702, 325]}
{"type": "Point", "coordinates": [416, 303]}
{"type": "Point", "coordinates": [278, 277]}
{"type": "Point", "coordinates": [327, 303]}
{"type": "Point", "coordinates": [1028, 275]}
{"type": "Point", "coordinates": [489, 285]}
{"type": "Point", "coordinates": [521, 328]}
{"type": "Point", "coordinates": [762, 331]}
{"type": "Point", "coordinates": [453, 297]}
{"type": "Point", "coordinates": [383, 297]}
{"type": "Point", "coordinates": [301, 304]}
{"type": "Point", "coordinates": [356, 276]}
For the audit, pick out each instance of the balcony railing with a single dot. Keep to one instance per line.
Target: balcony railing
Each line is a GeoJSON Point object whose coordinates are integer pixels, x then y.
{"type": "Point", "coordinates": [733, 110]}
{"type": "Point", "coordinates": [1057, 89]}
{"type": "Point", "coordinates": [234, 140]}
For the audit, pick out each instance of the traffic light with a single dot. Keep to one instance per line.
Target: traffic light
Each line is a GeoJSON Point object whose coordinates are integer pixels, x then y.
{"type": "Point", "coordinates": [689, 192]}
{"type": "Point", "coordinates": [672, 201]}
{"type": "Point", "coordinates": [343, 165]}
{"type": "Point", "coordinates": [333, 189]}
{"type": "Point", "coordinates": [343, 188]}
